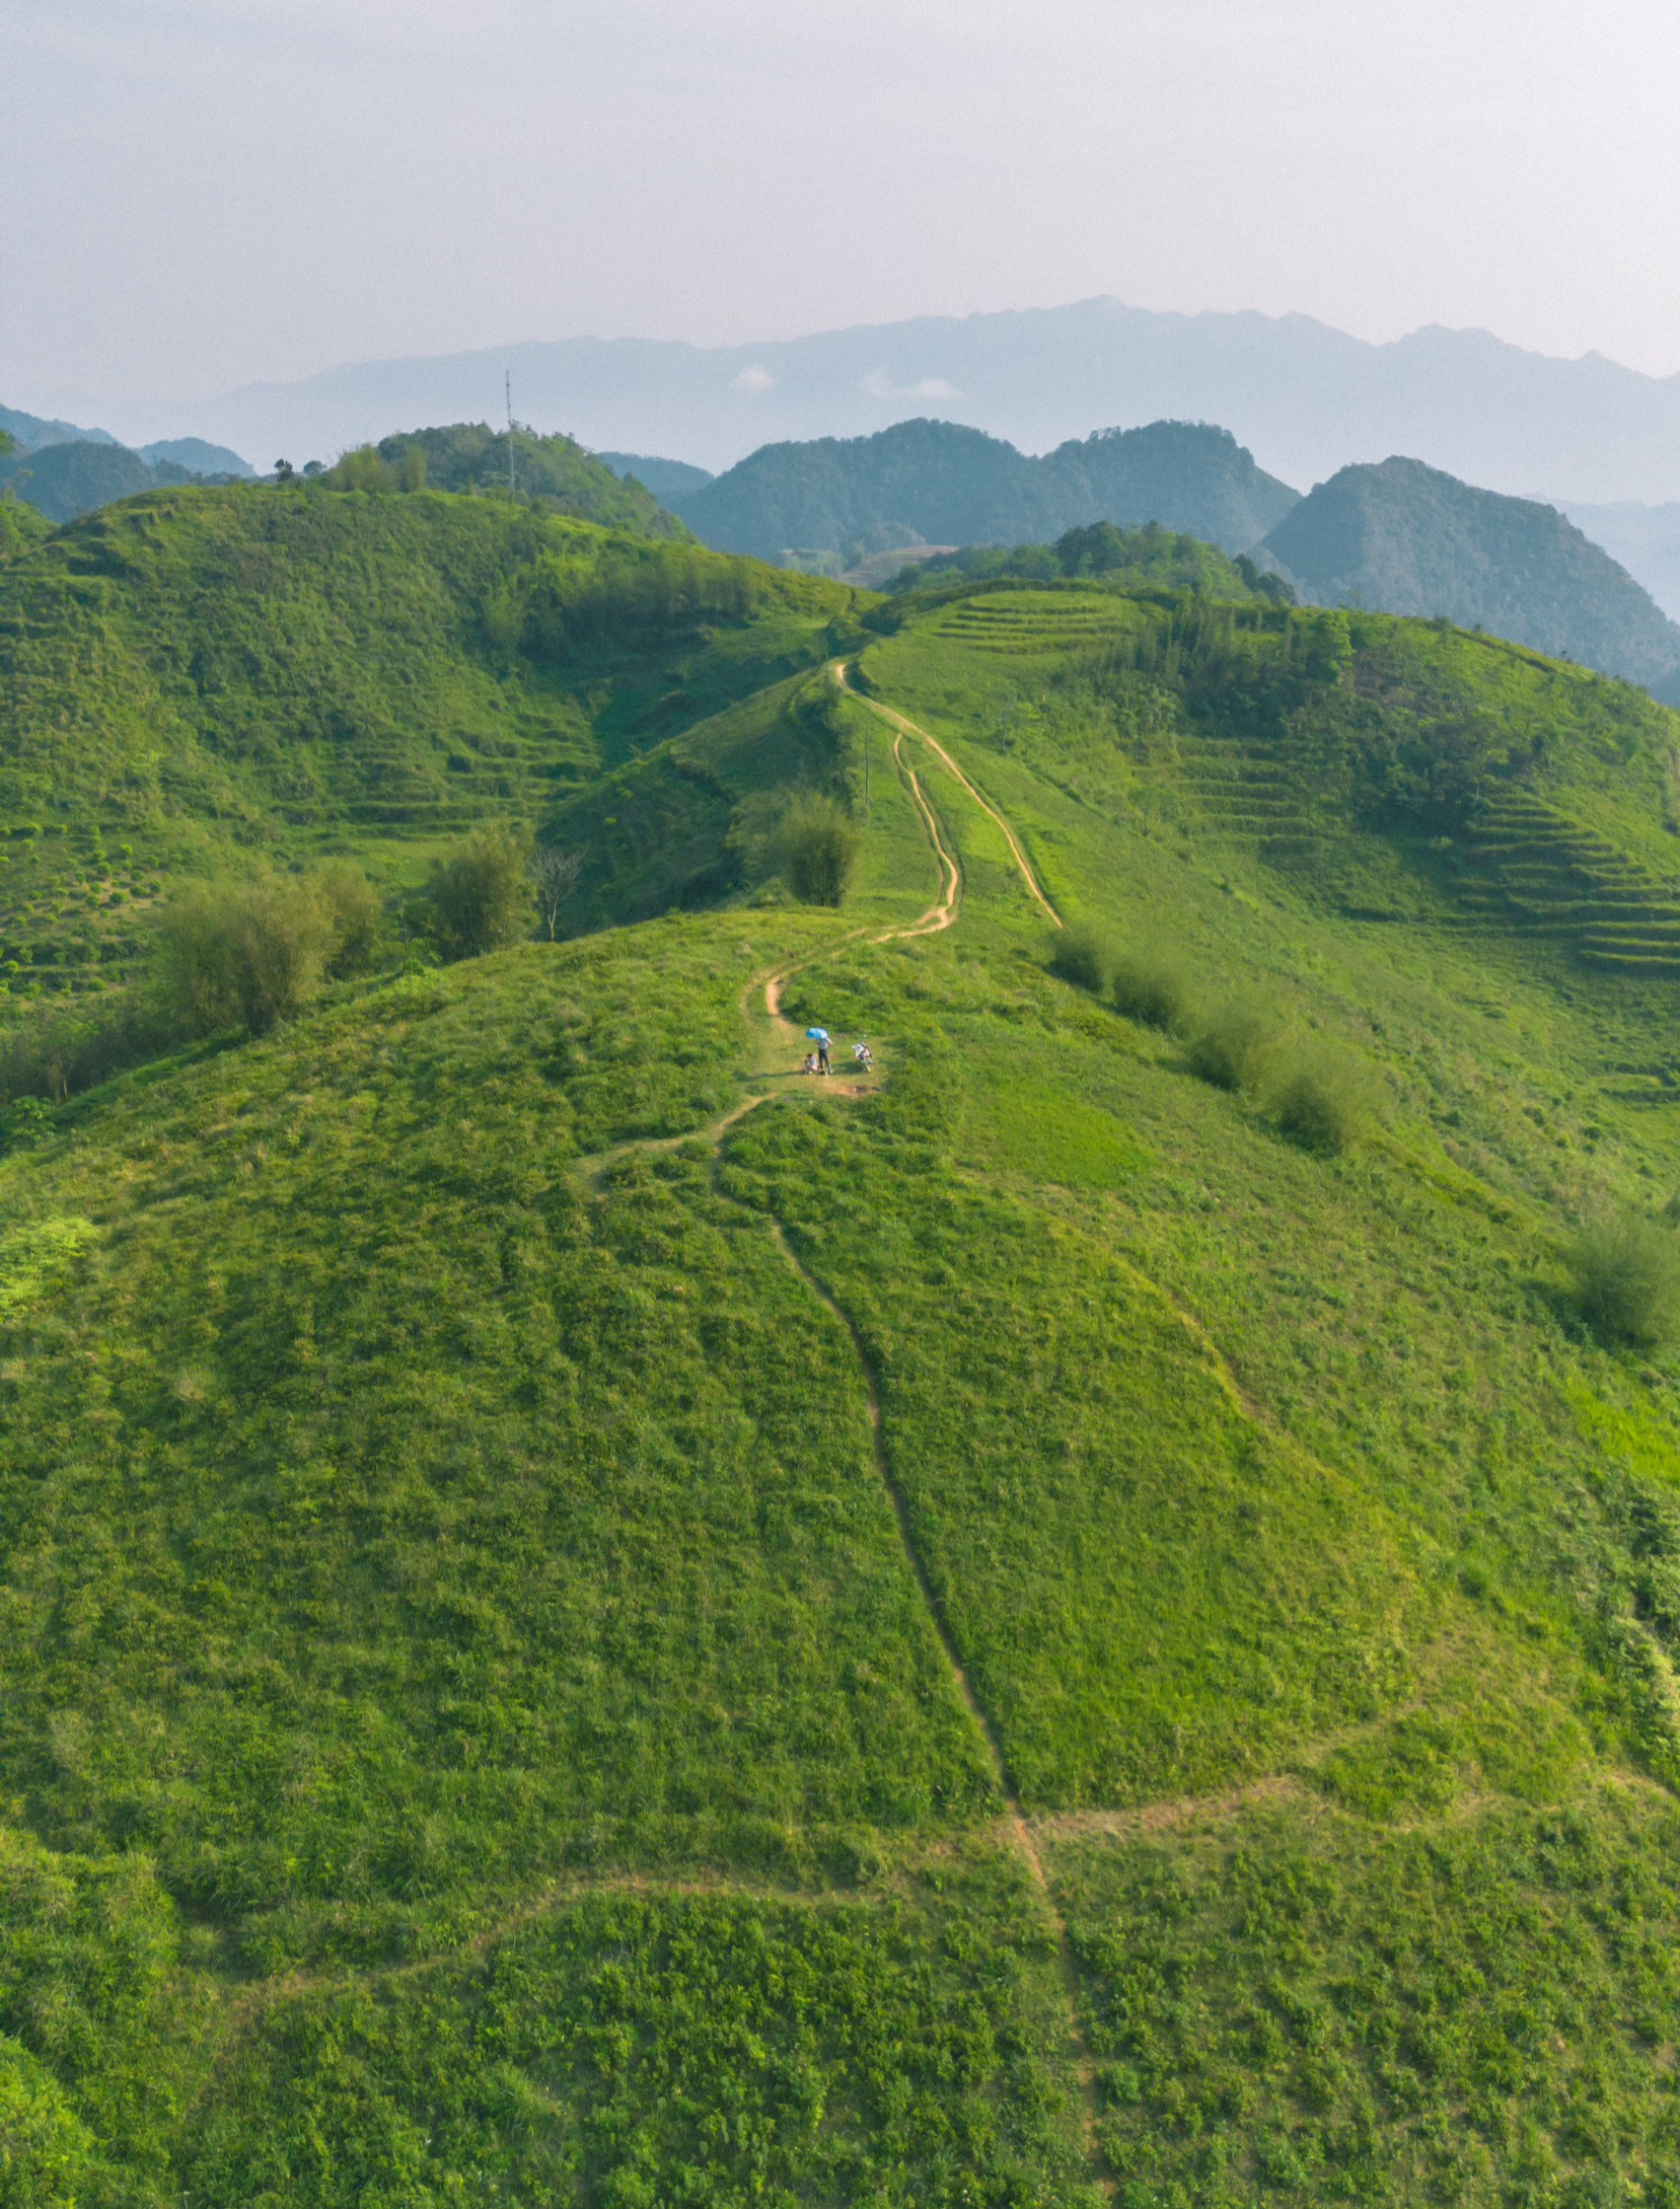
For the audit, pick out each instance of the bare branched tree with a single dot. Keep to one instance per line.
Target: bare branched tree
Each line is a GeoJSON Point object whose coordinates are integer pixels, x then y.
{"type": "Point", "coordinates": [555, 873]}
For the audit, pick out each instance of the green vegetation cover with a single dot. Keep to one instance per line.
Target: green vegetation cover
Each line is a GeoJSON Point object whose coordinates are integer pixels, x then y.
{"type": "Point", "coordinates": [64, 480]}
{"type": "Point", "coordinates": [553, 473]}
{"type": "Point", "coordinates": [21, 526]}
{"type": "Point", "coordinates": [940, 483]}
{"type": "Point", "coordinates": [1407, 539]}
{"type": "Point", "coordinates": [588, 1618]}
{"type": "Point", "coordinates": [199, 678]}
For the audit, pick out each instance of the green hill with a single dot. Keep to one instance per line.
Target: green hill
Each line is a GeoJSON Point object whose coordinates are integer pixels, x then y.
{"type": "Point", "coordinates": [1404, 539]}
{"type": "Point", "coordinates": [198, 677]}
{"type": "Point", "coordinates": [553, 473]}
{"type": "Point", "coordinates": [588, 1619]}
{"type": "Point", "coordinates": [64, 480]}
{"type": "Point", "coordinates": [937, 483]}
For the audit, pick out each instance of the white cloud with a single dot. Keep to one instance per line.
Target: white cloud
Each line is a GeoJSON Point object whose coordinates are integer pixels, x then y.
{"type": "Point", "coordinates": [879, 385]}
{"type": "Point", "coordinates": [752, 380]}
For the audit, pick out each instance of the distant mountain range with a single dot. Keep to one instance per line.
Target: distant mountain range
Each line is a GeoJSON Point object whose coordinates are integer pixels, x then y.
{"type": "Point", "coordinates": [31, 433]}
{"type": "Point", "coordinates": [1395, 538]}
{"type": "Point", "coordinates": [1399, 537]}
{"type": "Point", "coordinates": [28, 431]}
{"type": "Point", "coordinates": [940, 483]}
{"type": "Point", "coordinates": [1304, 397]}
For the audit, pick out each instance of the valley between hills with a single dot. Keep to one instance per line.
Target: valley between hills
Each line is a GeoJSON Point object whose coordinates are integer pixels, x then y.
{"type": "Point", "coordinates": [1084, 1613]}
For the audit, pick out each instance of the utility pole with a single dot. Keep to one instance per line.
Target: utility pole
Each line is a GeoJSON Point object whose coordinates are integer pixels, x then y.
{"type": "Point", "coordinates": [507, 377]}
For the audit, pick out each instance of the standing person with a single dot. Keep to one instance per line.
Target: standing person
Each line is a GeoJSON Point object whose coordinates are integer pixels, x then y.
{"type": "Point", "coordinates": [823, 1066]}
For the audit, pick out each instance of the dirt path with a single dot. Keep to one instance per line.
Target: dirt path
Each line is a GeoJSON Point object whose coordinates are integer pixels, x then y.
{"type": "Point", "coordinates": [1020, 1831]}
{"type": "Point", "coordinates": [939, 917]}
{"type": "Point", "coordinates": [942, 913]}
{"type": "Point", "coordinates": [905, 727]}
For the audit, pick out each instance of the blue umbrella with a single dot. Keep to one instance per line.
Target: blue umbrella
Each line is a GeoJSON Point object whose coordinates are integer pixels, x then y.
{"type": "Point", "coordinates": [818, 1035]}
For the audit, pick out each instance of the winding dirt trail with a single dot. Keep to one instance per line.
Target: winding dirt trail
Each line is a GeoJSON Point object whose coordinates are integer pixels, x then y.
{"type": "Point", "coordinates": [903, 726]}
{"type": "Point", "coordinates": [939, 916]}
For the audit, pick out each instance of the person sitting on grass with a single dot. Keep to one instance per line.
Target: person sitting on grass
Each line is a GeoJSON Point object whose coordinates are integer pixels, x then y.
{"type": "Point", "coordinates": [810, 1065]}
{"type": "Point", "coordinates": [865, 1057]}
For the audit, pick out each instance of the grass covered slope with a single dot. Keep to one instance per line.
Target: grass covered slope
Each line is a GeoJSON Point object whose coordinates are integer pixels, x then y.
{"type": "Point", "coordinates": [1004, 1632]}
{"type": "Point", "coordinates": [200, 675]}
{"type": "Point", "coordinates": [21, 526]}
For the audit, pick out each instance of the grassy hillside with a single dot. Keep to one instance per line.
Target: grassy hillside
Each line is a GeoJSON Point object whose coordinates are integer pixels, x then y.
{"type": "Point", "coordinates": [588, 1619]}
{"type": "Point", "coordinates": [21, 526]}
{"type": "Point", "coordinates": [200, 676]}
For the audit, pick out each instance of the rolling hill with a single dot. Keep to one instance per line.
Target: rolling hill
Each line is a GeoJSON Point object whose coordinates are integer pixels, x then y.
{"type": "Point", "coordinates": [1404, 539]}
{"type": "Point", "coordinates": [197, 675]}
{"type": "Point", "coordinates": [589, 1619]}
{"type": "Point", "coordinates": [65, 480]}
{"type": "Point", "coordinates": [553, 473]}
{"type": "Point", "coordinates": [935, 483]}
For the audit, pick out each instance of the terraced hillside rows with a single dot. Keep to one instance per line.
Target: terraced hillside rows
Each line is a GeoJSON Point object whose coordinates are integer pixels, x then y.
{"type": "Point", "coordinates": [1251, 799]}
{"type": "Point", "coordinates": [1542, 872]}
{"type": "Point", "coordinates": [585, 1618]}
{"type": "Point", "coordinates": [195, 679]}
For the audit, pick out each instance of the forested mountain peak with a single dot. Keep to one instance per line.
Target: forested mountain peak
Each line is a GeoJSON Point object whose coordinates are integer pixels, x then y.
{"type": "Point", "coordinates": [1411, 539]}
{"type": "Point", "coordinates": [941, 483]}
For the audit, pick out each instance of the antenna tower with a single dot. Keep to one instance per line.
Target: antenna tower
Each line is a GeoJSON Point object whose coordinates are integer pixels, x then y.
{"type": "Point", "coordinates": [507, 380]}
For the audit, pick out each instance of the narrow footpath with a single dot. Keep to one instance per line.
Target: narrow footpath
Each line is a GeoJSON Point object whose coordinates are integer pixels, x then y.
{"type": "Point", "coordinates": [939, 916]}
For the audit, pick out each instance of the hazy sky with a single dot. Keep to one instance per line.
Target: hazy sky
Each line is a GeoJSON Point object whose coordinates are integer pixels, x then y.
{"type": "Point", "coordinates": [197, 194]}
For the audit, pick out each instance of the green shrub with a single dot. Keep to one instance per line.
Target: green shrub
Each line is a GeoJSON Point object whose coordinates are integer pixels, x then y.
{"type": "Point", "coordinates": [23, 1124]}
{"type": "Point", "coordinates": [360, 470]}
{"type": "Point", "coordinates": [1230, 1046]}
{"type": "Point", "coordinates": [58, 1050]}
{"type": "Point", "coordinates": [1149, 988]}
{"type": "Point", "coordinates": [816, 850]}
{"type": "Point", "coordinates": [483, 897]}
{"type": "Point", "coordinates": [1083, 956]}
{"type": "Point", "coordinates": [247, 954]}
{"type": "Point", "coordinates": [356, 910]}
{"type": "Point", "coordinates": [1322, 1098]}
{"type": "Point", "coordinates": [1626, 1274]}
{"type": "Point", "coordinates": [254, 953]}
